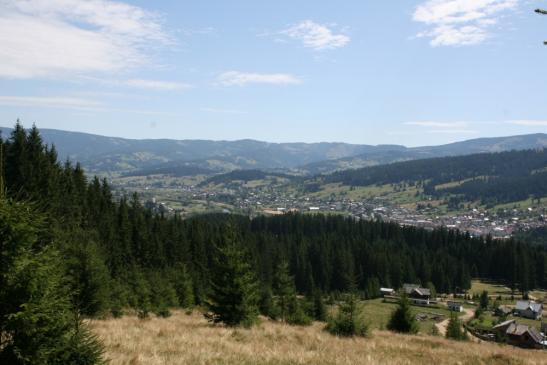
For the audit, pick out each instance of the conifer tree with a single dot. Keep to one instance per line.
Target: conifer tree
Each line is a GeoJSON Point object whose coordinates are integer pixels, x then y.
{"type": "Point", "coordinates": [234, 288]}
{"type": "Point", "coordinates": [484, 300]}
{"type": "Point", "coordinates": [402, 320]}
{"type": "Point", "coordinates": [348, 321]}
{"type": "Point", "coordinates": [454, 329]}
{"type": "Point", "coordinates": [182, 282]}
{"type": "Point", "coordinates": [37, 324]}
{"type": "Point", "coordinates": [284, 290]}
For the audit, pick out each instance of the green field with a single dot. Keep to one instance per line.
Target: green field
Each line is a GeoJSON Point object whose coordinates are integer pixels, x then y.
{"type": "Point", "coordinates": [377, 313]}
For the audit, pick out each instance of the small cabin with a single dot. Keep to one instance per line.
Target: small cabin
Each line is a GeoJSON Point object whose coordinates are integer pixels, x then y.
{"type": "Point", "coordinates": [387, 292]}
{"type": "Point", "coordinates": [455, 306]}
{"type": "Point", "coordinates": [416, 294]}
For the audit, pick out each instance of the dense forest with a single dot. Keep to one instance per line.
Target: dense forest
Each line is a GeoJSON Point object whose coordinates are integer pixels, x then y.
{"type": "Point", "coordinates": [492, 178]}
{"type": "Point", "coordinates": [118, 255]}
{"type": "Point", "coordinates": [244, 175]}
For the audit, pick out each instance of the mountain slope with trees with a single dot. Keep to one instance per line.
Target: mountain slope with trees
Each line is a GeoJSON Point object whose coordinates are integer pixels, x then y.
{"type": "Point", "coordinates": [99, 154]}
{"type": "Point", "coordinates": [117, 255]}
{"type": "Point", "coordinates": [492, 178]}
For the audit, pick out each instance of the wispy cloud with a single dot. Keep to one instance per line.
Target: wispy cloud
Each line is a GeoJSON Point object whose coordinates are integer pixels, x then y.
{"type": "Point", "coordinates": [157, 84]}
{"type": "Point", "coordinates": [460, 22]}
{"type": "Point", "coordinates": [452, 131]}
{"type": "Point", "coordinates": [46, 38]}
{"type": "Point", "coordinates": [50, 102]}
{"type": "Point", "coordinates": [433, 127]}
{"type": "Point", "coordinates": [529, 123]}
{"type": "Point", "coordinates": [236, 78]}
{"type": "Point", "coordinates": [222, 111]}
{"type": "Point", "coordinates": [316, 36]}
{"type": "Point", "coordinates": [438, 124]}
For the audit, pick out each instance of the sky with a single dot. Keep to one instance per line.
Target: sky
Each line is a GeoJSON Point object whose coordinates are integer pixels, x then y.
{"type": "Point", "coordinates": [367, 72]}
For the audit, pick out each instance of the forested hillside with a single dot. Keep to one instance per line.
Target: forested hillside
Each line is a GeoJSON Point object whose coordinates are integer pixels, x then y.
{"type": "Point", "coordinates": [492, 178]}
{"type": "Point", "coordinates": [118, 255]}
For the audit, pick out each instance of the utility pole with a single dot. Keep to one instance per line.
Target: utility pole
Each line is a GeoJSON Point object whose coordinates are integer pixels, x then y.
{"type": "Point", "coordinates": [544, 12]}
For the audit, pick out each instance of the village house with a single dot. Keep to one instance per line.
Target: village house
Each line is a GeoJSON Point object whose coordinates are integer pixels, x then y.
{"type": "Point", "coordinates": [416, 294]}
{"type": "Point", "coordinates": [520, 335]}
{"type": "Point", "coordinates": [387, 291]}
{"type": "Point", "coordinates": [528, 309]}
{"type": "Point", "coordinates": [503, 311]}
{"type": "Point", "coordinates": [455, 306]}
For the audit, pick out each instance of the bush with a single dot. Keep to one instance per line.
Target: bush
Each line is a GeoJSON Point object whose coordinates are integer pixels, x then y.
{"type": "Point", "coordinates": [348, 322]}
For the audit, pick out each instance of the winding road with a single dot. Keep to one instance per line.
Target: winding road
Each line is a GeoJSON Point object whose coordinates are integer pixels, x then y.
{"type": "Point", "coordinates": [442, 326]}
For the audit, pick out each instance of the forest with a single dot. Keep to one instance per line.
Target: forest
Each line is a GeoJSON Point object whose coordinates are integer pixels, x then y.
{"type": "Point", "coordinates": [493, 178]}
{"type": "Point", "coordinates": [107, 255]}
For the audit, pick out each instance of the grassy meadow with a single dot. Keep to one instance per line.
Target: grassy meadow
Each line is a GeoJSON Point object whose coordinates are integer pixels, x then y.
{"type": "Point", "coordinates": [190, 339]}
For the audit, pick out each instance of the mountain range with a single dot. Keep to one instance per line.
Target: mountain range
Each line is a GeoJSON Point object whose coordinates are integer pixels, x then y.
{"type": "Point", "coordinates": [100, 154]}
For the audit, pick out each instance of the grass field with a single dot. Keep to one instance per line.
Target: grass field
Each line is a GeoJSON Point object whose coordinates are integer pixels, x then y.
{"type": "Point", "coordinates": [183, 339]}
{"type": "Point", "coordinates": [377, 314]}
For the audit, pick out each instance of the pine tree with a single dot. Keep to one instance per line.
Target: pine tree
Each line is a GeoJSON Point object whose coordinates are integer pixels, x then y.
{"type": "Point", "coordinates": [37, 324]}
{"type": "Point", "coordinates": [454, 329]}
{"type": "Point", "coordinates": [319, 308]}
{"type": "Point", "coordinates": [348, 321]}
{"type": "Point", "coordinates": [234, 288]}
{"type": "Point", "coordinates": [402, 320]}
{"type": "Point", "coordinates": [484, 300]}
{"type": "Point", "coordinates": [284, 290]}
{"type": "Point", "coordinates": [182, 282]}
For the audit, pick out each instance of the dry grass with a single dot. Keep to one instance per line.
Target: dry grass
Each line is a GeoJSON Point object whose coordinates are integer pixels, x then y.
{"type": "Point", "coordinates": [189, 339]}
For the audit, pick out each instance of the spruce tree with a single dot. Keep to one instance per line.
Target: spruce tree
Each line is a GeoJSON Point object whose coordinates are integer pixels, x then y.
{"type": "Point", "coordinates": [234, 288]}
{"type": "Point", "coordinates": [454, 330]}
{"type": "Point", "coordinates": [182, 282]}
{"type": "Point", "coordinates": [284, 290]}
{"type": "Point", "coordinates": [402, 320]}
{"type": "Point", "coordinates": [348, 321]}
{"type": "Point", "coordinates": [37, 323]}
{"type": "Point", "coordinates": [484, 300]}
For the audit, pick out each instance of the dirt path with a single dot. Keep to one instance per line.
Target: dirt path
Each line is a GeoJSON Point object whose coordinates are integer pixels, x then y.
{"type": "Point", "coordinates": [442, 326]}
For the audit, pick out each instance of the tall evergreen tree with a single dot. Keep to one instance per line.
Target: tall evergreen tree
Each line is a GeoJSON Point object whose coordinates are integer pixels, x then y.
{"type": "Point", "coordinates": [234, 288]}
{"type": "Point", "coordinates": [37, 324]}
{"type": "Point", "coordinates": [402, 320]}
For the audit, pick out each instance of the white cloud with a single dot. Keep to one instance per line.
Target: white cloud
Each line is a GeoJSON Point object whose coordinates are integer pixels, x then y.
{"type": "Point", "coordinates": [316, 36]}
{"type": "Point", "coordinates": [460, 22]}
{"type": "Point", "coordinates": [529, 123]}
{"type": "Point", "coordinates": [50, 102]}
{"type": "Point", "coordinates": [453, 131]}
{"type": "Point", "coordinates": [236, 78]}
{"type": "Point", "coordinates": [157, 85]}
{"type": "Point", "coordinates": [45, 38]}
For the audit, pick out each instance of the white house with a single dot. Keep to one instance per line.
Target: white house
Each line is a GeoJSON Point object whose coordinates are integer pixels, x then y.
{"type": "Point", "coordinates": [455, 306]}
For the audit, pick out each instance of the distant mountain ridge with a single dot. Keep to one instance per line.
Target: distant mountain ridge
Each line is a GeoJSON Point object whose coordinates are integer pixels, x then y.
{"type": "Point", "coordinates": [119, 155]}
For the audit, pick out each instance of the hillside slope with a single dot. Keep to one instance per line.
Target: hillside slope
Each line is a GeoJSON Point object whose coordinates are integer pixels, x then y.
{"type": "Point", "coordinates": [183, 339]}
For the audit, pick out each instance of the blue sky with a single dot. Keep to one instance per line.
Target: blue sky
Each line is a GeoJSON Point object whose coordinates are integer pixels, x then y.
{"type": "Point", "coordinates": [375, 72]}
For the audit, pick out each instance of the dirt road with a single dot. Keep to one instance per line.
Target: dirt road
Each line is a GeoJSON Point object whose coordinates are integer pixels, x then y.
{"type": "Point", "coordinates": [442, 326]}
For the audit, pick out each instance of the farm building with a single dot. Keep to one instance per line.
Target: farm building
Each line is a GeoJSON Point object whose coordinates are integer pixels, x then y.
{"type": "Point", "coordinates": [387, 291]}
{"type": "Point", "coordinates": [529, 309]}
{"type": "Point", "coordinates": [503, 311]}
{"type": "Point", "coordinates": [520, 335]}
{"type": "Point", "coordinates": [455, 306]}
{"type": "Point", "coordinates": [416, 294]}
